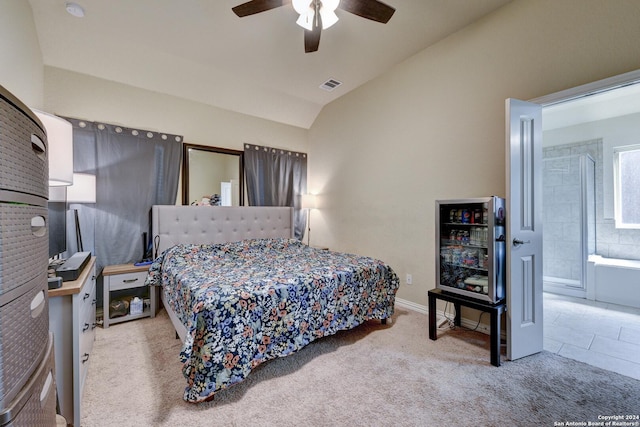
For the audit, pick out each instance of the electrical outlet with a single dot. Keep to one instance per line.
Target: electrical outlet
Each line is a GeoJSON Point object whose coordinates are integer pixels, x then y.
{"type": "Point", "coordinates": [409, 279]}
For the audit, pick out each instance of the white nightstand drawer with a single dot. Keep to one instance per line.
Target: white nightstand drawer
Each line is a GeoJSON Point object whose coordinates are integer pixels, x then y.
{"type": "Point", "coordinates": [126, 280]}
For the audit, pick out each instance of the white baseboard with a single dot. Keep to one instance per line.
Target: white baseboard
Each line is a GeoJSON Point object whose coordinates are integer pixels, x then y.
{"type": "Point", "coordinates": [412, 306]}
{"type": "Point", "coordinates": [423, 309]}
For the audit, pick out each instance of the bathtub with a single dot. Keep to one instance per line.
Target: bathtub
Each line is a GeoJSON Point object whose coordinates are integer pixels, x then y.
{"type": "Point", "coordinates": [615, 281]}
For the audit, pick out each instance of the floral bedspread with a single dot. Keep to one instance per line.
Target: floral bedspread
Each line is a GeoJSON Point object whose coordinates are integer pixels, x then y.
{"type": "Point", "coordinates": [244, 303]}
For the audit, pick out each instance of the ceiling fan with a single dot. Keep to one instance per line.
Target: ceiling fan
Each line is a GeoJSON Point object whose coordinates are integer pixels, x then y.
{"type": "Point", "coordinates": [316, 15]}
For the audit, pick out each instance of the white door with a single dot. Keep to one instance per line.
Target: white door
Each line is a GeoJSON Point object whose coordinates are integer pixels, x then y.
{"type": "Point", "coordinates": [524, 228]}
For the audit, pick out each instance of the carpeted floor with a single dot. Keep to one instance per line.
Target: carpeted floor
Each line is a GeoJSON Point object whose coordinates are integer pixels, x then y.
{"type": "Point", "coordinates": [375, 375]}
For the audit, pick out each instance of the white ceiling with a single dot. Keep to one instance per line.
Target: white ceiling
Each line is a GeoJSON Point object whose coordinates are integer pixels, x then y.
{"type": "Point", "coordinates": [200, 50]}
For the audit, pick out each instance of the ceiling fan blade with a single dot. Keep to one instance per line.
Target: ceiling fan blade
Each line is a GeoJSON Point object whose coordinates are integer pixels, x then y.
{"type": "Point", "coordinates": [256, 6]}
{"type": "Point", "coordinates": [370, 9]}
{"type": "Point", "coordinates": [312, 38]}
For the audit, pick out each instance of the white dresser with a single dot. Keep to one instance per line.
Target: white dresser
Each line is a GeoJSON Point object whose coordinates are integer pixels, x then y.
{"type": "Point", "coordinates": [72, 319]}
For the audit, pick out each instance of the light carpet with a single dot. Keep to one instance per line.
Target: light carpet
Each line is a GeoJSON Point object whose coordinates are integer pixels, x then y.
{"type": "Point", "coordinates": [374, 375]}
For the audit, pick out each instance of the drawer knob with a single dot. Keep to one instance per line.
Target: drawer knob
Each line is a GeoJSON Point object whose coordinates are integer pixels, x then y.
{"type": "Point", "coordinates": [86, 327]}
{"type": "Point", "coordinates": [130, 280]}
{"type": "Point", "coordinates": [86, 295]}
{"type": "Point", "coordinates": [85, 357]}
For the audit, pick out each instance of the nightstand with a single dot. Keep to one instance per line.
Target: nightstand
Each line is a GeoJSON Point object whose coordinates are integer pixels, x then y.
{"type": "Point", "coordinates": [125, 277]}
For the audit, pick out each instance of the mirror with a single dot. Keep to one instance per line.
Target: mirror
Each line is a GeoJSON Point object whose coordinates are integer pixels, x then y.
{"type": "Point", "coordinates": [212, 175]}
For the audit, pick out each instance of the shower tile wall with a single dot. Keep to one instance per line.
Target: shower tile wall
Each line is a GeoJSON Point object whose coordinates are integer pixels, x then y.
{"type": "Point", "coordinates": [611, 242]}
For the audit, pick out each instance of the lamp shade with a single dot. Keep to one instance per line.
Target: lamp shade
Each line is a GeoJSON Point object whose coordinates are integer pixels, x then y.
{"type": "Point", "coordinates": [58, 193]}
{"type": "Point", "coordinates": [83, 189]}
{"type": "Point", "coordinates": [60, 148]}
{"type": "Point", "coordinates": [308, 201]}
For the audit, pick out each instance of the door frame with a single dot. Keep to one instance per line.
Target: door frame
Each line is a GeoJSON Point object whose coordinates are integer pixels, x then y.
{"type": "Point", "coordinates": [598, 86]}
{"type": "Point", "coordinates": [577, 92]}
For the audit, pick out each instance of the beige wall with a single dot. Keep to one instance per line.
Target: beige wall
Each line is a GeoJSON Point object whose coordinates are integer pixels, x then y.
{"type": "Point", "coordinates": [21, 69]}
{"type": "Point", "coordinates": [82, 96]}
{"type": "Point", "coordinates": [433, 127]}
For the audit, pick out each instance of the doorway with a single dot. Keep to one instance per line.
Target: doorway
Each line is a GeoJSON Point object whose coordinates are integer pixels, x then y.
{"type": "Point", "coordinates": [577, 325]}
{"type": "Point", "coordinates": [578, 197]}
{"type": "Point", "coordinates": [524, 172]}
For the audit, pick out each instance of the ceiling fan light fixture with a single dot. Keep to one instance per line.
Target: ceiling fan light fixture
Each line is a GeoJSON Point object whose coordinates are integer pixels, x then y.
{"type": "Point", "coordinates": [306, 10]}
{"type": "Point", "coordinates": [306, 20]}
{"type": "Point", "coordinates": [329, 17]}
{"type": "Point", "coordinates": [301, 6]}
{"type": "Point", "coordinates": [331, 5]}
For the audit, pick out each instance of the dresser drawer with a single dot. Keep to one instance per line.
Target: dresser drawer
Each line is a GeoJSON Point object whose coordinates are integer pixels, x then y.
{"type": "Point", "coordinates": [35, 406]}
{"type": "Point", "coordinates": [23, 152]}
{"type": "Point", "coordinates": [87, 299]}
{"type": "Point", "coordinates": [24, 330]}
{"type": "Point", "coordinates": [85, 347]}
{"type": "Point", "coordinates": [86, 325]}
{"type": "Point", "coordinates": [23, 245]}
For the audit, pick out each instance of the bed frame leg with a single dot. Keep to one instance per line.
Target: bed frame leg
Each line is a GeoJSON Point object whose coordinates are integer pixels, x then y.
{"type": "Point", "coordinates": [383, 321]}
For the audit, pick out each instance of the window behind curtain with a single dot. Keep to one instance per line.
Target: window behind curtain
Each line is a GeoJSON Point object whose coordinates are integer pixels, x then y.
{"type": "Point", "coordinates": [276, 177]}
{"type": "Point", "coordinates": [134, 170]}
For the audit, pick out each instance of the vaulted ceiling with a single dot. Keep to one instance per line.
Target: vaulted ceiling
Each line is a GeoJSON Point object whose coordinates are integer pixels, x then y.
{"type": "Point", "coordinates": [256, 65]}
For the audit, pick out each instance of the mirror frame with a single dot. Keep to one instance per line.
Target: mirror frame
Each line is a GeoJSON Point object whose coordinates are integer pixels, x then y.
{"type": "Point", "coordinates": [219, 150]}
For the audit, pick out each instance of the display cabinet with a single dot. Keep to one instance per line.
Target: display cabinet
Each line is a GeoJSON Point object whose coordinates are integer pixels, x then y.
{"type": "Point", "coordinates": [470, 247]}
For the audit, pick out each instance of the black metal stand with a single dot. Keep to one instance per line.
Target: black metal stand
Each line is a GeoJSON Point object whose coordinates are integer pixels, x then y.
{"type": "Point", "coordinates": [495, 310]}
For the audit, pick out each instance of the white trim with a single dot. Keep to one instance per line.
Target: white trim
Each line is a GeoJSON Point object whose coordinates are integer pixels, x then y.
{"type": "Point", "coordinates": [604, 85]}
{"type": "Point", "coordinates": [412, 306]}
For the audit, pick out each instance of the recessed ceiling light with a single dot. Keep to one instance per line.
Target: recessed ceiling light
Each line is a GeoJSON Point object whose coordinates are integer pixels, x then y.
{"type": "Point", "coordinates": [75, 9]}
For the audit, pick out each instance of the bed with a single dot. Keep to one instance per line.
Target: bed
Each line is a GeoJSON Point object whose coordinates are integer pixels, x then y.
{"type": "Point", "coordinates": [241, 291]}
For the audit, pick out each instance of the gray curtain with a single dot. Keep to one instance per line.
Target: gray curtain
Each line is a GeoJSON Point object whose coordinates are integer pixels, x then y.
{"type": "Point", "coordinates": [276, 177]}
{"type": "Point", "coordinates": [134, 170]}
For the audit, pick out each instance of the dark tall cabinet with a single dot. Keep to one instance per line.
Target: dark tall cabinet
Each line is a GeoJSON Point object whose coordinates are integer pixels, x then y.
{"type": "Point", "coordinates": [27, 379]}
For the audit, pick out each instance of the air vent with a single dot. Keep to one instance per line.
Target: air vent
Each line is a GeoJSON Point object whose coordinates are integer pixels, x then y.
{"type": "Point", "coordinates": [330, 85]}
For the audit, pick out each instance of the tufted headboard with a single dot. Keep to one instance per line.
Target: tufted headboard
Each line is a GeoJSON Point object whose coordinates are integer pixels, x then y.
{"type": "Point", "coordinates": [218, 224]}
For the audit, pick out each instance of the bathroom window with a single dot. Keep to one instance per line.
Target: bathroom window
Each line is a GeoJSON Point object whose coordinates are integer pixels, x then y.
{"type": "Point", "coordinates": [627, 186]}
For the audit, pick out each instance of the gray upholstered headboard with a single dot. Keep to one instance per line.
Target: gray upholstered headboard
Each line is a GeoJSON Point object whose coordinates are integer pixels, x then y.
{"type": "Point", "coordinates": [218, 224]}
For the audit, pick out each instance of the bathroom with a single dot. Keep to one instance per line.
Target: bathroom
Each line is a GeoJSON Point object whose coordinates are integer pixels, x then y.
{"type": "Point", "coordinates": [587, 253]}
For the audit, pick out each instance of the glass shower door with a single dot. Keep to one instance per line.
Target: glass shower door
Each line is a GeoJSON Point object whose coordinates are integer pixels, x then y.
{"type": "Point", "coordinates": [569, 222]}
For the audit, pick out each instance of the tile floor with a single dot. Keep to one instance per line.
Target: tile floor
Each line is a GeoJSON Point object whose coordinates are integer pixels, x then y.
{"type": "Point", "coordinates": [600, 334]}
